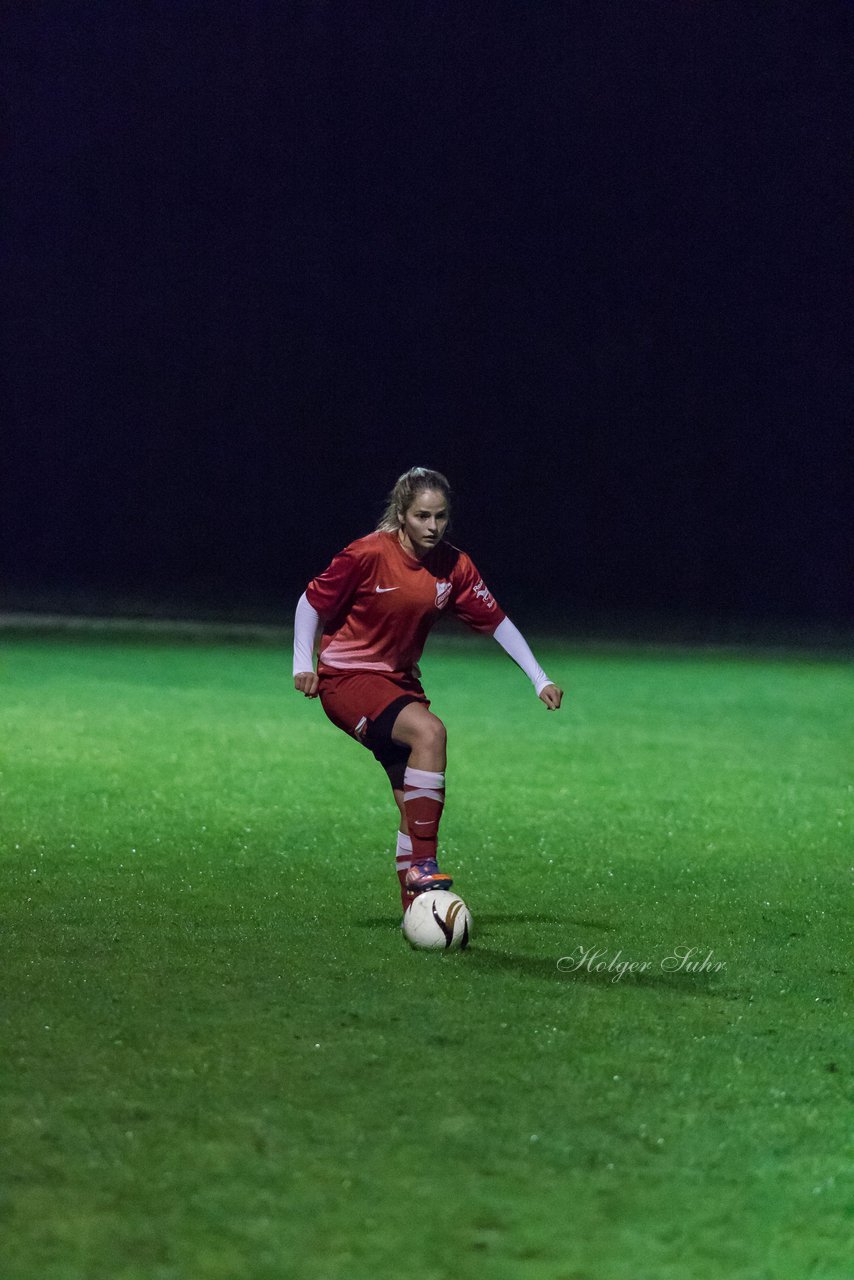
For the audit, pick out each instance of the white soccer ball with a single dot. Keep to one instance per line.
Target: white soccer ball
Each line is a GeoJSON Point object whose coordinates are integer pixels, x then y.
{"type": "Point", "coordinates": [437, 921]}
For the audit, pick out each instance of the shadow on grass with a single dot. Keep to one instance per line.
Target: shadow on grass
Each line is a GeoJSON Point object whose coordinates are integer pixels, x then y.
{"type": "Point", "coordinates": [486, 920]}
{"type": "Point", "coordinates": [544, 968]}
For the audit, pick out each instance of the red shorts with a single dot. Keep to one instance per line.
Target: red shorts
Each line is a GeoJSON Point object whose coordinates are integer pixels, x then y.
{"type": "Point", "coordinates": [366, 704]}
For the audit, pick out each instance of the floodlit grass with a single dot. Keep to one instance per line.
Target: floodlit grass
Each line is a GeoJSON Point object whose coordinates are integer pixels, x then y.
{"type": "Point", "coordinates": [221, 1062]}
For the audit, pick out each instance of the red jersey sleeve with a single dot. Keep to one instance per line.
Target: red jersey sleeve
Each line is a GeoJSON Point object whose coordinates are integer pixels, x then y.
{"type": "Point", "coordinates": [472, 601]}
{"type": "Point", "coordinates": [331, 592]}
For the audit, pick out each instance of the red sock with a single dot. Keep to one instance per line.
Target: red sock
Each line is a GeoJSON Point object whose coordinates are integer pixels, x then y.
{"type": "Point", "coordinates": [424, 799]}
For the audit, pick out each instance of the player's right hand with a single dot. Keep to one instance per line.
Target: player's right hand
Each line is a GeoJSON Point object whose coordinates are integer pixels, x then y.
{"type": "Point", "coordinates": [306, 682]}
{"type": "Point", "coordinates": [552, 696]}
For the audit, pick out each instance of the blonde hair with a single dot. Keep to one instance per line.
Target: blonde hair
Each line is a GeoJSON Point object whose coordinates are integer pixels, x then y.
{"type": "Point", "coordinates": [414, 481]}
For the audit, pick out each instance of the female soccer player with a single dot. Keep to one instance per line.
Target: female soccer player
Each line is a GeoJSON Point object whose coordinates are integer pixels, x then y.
{"type": "Point", "coordinates": [377, 601]}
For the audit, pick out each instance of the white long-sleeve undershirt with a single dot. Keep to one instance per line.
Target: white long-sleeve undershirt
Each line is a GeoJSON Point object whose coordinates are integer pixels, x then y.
{"type": "Point", "coordinates": [508, 635]}
{"type": "Point", "coordinates": [513, 642]}
{"type": "Point", "coordinates": [306, 621]}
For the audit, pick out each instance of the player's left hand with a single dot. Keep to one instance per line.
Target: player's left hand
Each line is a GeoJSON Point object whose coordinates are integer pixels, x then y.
{"type": "Point", "coordinates": [552, 696]}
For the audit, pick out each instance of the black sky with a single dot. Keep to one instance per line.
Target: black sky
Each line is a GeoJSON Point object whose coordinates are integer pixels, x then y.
{"type": "Point", "coordinates": [591, 260]}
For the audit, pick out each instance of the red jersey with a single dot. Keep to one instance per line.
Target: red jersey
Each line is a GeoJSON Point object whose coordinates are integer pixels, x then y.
{"type": "Point", "coordinates": [378, 603]}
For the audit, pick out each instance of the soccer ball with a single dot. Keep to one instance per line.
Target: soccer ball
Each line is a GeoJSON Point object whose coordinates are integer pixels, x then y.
{"type": "Point", "coordinates": [437, 921]}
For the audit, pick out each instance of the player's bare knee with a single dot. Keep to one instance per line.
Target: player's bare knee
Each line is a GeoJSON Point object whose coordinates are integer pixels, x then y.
{"type": "Point", "coordinates": [435, 733]}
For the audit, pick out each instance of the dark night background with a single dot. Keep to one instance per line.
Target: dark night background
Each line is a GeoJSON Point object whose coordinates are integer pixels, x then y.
{"type": "Point", "coordinates": [589, 259]}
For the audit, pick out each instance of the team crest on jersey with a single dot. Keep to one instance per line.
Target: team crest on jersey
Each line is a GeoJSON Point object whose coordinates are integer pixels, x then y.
{"type": "Point", "coordinates": [481, 592]}
{"type": "Point", "coordinates": [443, 594]}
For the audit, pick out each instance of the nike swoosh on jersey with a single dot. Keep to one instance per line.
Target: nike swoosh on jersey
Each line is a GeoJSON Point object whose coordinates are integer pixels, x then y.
{"type": "Point", "coordinates": [386, 588]}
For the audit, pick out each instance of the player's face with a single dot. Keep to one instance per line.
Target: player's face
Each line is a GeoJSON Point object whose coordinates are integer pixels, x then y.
{"type": "Point", "coordinates": [424, 524]}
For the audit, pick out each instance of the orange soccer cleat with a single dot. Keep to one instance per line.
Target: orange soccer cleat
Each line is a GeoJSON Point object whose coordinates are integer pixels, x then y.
{"type": "Point", "coordinates": [426, 875]}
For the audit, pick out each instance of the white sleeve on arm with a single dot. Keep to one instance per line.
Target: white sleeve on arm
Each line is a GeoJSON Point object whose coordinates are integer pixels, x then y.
{"type": "Point", "coordinates": [511, 639]}
{"type": "Point", "coordinates": [305, 630]}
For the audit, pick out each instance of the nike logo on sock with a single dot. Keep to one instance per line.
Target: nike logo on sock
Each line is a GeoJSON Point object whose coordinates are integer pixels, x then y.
{"type": "Point", "coordinates": [385, 588]}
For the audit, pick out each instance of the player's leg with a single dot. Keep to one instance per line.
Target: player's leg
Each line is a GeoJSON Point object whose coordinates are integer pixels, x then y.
{"type": "Point", "coordinates": [355, 704]}
{"type": "Point", "coordinates": [424, 734]}
{"type": "Point", "coordinates": [403, 850]}
{"type": "Point", "coordinates": [392, 719]}
{"type": "Point", "coordinates": [395, 768]}
{"type": "Point", "coordinates": [423, 791]}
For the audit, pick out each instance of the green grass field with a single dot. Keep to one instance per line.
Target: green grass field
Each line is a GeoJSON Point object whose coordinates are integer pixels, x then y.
{"type": "Point", "coordinates": [220, 1063]}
